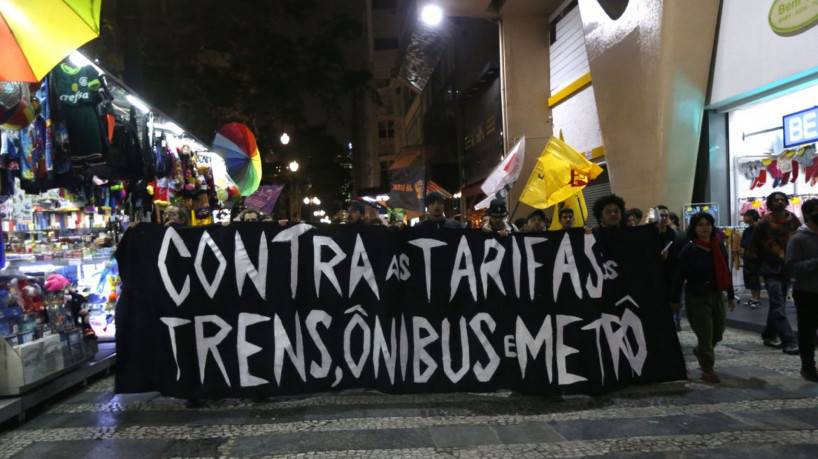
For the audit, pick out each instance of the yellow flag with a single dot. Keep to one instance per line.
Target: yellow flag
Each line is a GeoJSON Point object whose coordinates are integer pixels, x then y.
{"type": "Point", "coordinates": [559, 173]}
{"type": "Point", "coordinates": [575, 203]}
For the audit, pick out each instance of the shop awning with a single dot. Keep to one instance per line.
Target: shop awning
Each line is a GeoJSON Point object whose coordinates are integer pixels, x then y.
{"type": "Point", "coordinates": [411, 156]}
{"type": "Point", "coordinates": [472, 189]}
{"type": "Point", "coordinates": [431, 187]}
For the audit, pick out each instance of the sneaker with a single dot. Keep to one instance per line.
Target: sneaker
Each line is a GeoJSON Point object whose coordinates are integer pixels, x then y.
{"type": "Point", "coordinates": [772, 342]}
{"type": "Point", "coordinates": [809, 375]}
{"type": "Point", "coordinates": [711, 377]}
{"type": "Point", "coordinates": [755, 304]}
{"type": "Point", "coordinates": [791, 349]}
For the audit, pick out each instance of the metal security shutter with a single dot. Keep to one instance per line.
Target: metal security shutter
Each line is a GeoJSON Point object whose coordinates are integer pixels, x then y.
{"type": "Point", "coordinates": [567, 54]}
{"type": "Point", "coordinates": [599, 187]}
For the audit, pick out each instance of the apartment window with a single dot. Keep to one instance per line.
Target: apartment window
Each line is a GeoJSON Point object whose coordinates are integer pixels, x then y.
{"type": "Point", "coordinates": [385, 43]}
{"type": "Point", "coordinates": [386, 129]}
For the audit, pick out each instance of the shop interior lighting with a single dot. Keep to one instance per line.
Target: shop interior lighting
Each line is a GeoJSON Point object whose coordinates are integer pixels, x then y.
{"type": "Point", "coordinates": [137, 103]}
{"type": "Point", "coordinates": [382, 197]}
{"type": "Point", "coordinates": [78, 59]}
{"type": "Point", "coordinates": [431, 15]}
{"type": "Point", "coordinates": [37, 268]}
{"type": "Point", "coordinates": [170, 126]}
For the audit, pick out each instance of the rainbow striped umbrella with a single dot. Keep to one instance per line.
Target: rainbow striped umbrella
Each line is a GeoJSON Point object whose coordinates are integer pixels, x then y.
{"type": "Point", "coordinates": [237, 145]}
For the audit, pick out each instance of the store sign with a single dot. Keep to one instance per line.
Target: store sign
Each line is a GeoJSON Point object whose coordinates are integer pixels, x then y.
{"type": "Point", "coordinates": [790, 16]}
{"type": "Point", "coordinates": [801, 127]}
{"type": "Point", "coordinates": [255, 309]}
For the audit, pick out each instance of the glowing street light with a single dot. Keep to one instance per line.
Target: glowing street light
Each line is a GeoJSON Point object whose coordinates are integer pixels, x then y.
{"type": "Point", "coordinates": [293, 166]}
{"type": "Point", "coordinates": [285, 139]}
{"type": "Point", "coordinates": [431, 15]}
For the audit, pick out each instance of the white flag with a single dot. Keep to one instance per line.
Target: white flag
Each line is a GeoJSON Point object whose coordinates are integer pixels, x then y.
{"type": "Point", "coordinates": [507, 171]}
{"type": "Point", "coordinates": [504, 175]}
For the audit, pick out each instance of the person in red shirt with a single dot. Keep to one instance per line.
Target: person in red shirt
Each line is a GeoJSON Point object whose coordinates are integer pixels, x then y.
{"type": "Point", "coordinates": [769, 241]}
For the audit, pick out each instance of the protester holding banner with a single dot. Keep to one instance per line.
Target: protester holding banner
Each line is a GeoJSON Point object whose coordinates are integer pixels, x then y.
{"type": "Point", "coordinates": [566, 218]}
{"type": "Point", "coordinates": [175, 216]}
{"type": "Point", "coordinates": [608, 211]}
{"type": "Point", "coordinates": [669, 251]}
{"type": "Point", "coordinates": [497, 223]}
{"type": "Point", "coordinates": [436, 216]}
{"type": "Point", "coordinates": [249, 215]}
{"type": "Point", "coordinates": [702, 270]}
{"type": "Point", "coordinates": [536, 221]}
{"type": "Point", "coordinates": [355, 213]}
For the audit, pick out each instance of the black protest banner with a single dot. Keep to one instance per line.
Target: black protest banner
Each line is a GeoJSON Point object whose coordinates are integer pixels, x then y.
{"type": "Point", "coordinates": [254, 309]}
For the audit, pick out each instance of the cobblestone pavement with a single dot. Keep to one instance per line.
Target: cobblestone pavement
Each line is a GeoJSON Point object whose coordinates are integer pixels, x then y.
{"type": "Point", "coordinates": [762, 408]}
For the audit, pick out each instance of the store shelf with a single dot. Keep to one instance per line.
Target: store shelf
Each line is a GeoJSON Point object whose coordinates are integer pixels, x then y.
{"type": "Point", "coordinates": [61, 262]}
{"type": "Point", "coordinates": [17, 406]}
{"type": "Point", "coordinates": [65, 232]}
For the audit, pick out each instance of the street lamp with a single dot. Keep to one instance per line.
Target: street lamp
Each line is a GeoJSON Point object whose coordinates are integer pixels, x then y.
{"type": "Point", "coordinates": [431, 15]}
{"type": "Point", "coordinates": [285, 139]}
{"type": "Point", "coordinates": [293, 166]}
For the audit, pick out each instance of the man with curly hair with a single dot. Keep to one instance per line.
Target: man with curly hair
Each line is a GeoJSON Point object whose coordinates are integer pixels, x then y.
{"type": "Point", "coordinates": [608, 211]}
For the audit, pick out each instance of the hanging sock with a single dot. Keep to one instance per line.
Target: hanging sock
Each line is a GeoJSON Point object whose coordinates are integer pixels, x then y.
{"type": "Point", "coordinates": [794, 171]}
{"type": "Point", "coordinates": [760, 180]}
{"type": "Point", "coordinates": [775, 173]}
{"type": "Point", "coordinates": [785, 179]}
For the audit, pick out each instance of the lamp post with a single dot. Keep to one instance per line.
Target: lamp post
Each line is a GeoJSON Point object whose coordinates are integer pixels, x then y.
{"type": "Point", "coordinates": [295, 206]}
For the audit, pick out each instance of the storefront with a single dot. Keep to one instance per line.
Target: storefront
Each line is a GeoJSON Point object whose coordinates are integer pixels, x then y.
{"type": "Point", "coordinates": [767, 154]}
{"type": "Point", "coordinates": [762, 132]}
{"type": "Point", "coordinates": [64, 207]}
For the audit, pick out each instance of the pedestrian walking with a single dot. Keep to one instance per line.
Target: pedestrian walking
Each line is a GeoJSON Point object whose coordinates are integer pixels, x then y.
{"type": "Point", "coordinates": [702, 271]}
{"type": "Point", "coordinates": [752, 281]}
{"type": "Point", "coordinates": [769, 240]}
{"type": "Point", "coordinates": [802, 263]}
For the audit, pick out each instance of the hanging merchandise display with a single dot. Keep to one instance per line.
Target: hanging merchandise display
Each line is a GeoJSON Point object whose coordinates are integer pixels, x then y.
{"type": "Point", "coordinates": [772, 149]}
{"type": "Point", "coordinates": [77, 94]}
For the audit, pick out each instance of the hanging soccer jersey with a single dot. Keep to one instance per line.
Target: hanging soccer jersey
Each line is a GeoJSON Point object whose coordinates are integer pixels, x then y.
{"type": "Point", "coordinates": [76, 89]}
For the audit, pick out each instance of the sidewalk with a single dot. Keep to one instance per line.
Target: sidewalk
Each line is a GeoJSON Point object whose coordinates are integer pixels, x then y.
{"type": "Point", "coordinates": [754, 320]}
